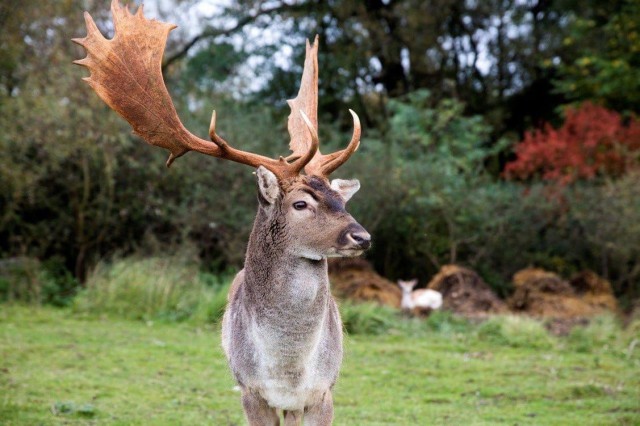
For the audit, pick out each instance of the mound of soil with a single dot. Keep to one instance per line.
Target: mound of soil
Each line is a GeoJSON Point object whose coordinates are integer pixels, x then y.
{"type": "Point", "coordinates": [465, 293]}
{"type": "Point", "coordinates": [543, 294]}
{"type": "Point", "coordinates": [594, 290]}
{"type": "Point", "coordinates": [539, 280]}
{"type": "Point", "coordinates": [588, 282]}
{"type": "Point", "coordinates": [355, 279]}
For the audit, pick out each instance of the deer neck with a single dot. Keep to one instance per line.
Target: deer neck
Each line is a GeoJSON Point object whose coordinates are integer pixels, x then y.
{"type": "Point", "coordinates": [275, 276]}
{"type": "Point", "coordinates": [407, 300]}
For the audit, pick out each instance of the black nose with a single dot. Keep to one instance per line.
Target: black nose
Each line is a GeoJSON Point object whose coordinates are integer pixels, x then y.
{"type": "Point", "coordinates": [362, 238]}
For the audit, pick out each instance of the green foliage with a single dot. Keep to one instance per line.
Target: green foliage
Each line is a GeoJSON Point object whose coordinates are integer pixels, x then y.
{"type": "Point", "coordinates": [426, 197]}
{"type": "Point", "coordinates": [516, 332]}
{"type": "Point", "coordinates": [428, 200]}
{"type": "Point", "coordinates": [389, 49]}
{"type": "Point", "coordinates": [97, 191]}
{"type": "Point", "coordinates": [447, 323]}
{"type": "Point", "coordinates": [77, 185]}
{"type": "Point", "coordinates": [213, 302]}
{"type": "Point", "coordinates": [375, 320]}
{"type": "Point", "coordinates": [71, 409]}
{"type": "Point", "coordinates": [586, 226]}
{"type": "Point", "coordinates": [606, 65]}
{"type": "Point", "coordinates": [27, 280]}
{"type": "Point", "coordinates": [78, 188]}
{"type": "Point", "coordinates": [169, 288]}
{"type": "Point", "coordinates": [601, 334]}
{"type": "Point", "coordinates": [606, 224]}
{"type": "Point", "coordinates": [367, 318]}
{"type": "Point", "coordinates": [212, 66]}
{"type": "Point", "coordinates": [20, 280]}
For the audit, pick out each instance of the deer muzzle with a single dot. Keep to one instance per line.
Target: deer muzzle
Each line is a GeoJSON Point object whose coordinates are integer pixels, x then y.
{"type": "Point", "coordinates": [354, 238]}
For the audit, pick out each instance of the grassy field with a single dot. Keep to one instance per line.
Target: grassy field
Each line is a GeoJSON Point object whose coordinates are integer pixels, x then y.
{"type": "Point", "coordinates": [60, 367]}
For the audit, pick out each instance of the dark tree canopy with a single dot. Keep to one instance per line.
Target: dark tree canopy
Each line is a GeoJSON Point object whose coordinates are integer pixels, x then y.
{"type": "Point", "coordinates": [499, 57]}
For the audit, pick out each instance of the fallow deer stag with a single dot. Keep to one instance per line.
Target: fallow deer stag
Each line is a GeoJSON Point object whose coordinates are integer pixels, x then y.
{"type": "Point", "coordinates": [281, 332]}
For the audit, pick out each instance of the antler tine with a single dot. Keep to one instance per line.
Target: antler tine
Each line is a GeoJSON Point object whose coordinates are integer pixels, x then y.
{"type": "Point", "coordinates": [215, 138]}
{"type": "Point", "coordinates": [301, 162]}
{"type": "Point", "coordinates": [324, 165]}
{"type": "Point", "coordinates": [342, 156]}
{"type": "Point", "coordinates": [281, 168]}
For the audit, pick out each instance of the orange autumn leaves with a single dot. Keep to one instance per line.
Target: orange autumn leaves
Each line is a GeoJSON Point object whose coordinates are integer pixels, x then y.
{"type": "Point", "coordinates": [593, 141]}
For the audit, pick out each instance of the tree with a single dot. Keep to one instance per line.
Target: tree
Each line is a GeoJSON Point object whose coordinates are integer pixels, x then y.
{"type": "Point", "coordinates": [77, 186]}
{"type": "Point", "coordinates": [605, 65]}
{"type": "Point", "coordinates": [593, 141]}
{"type": "Point", "coordinates": [428, 199]}
{"type": "Point", "coordinates": [483, 53]}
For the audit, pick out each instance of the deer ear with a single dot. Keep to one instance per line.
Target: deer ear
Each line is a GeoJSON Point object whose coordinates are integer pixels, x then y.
{"type": "Point", "coordinates": [267, 186]}
{"type": "Point", "coordinates": [346, 188]}
{"type": "Point", "coordinates": [413, 282]}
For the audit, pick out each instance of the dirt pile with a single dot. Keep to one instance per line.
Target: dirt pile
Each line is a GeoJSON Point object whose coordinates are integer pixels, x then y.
{"type": "Point", "coordinates": [594, 290]}
{"type": "Point", "coordinates": [355, 279]}
{"type": "Point", "coordinates": [541, 281]}
{"type": "Point", "coordinates": [543, 294]}
{"type": "Point", "coordinates": [465, 293]}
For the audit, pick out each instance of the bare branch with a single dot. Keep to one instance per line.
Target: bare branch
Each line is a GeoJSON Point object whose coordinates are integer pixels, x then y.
{"type": "Point", "coordinates": [216, 32]}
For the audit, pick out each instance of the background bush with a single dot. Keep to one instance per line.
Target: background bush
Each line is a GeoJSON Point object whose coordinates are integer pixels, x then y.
{"type": "Point", "coordinates": [153, 288]}
{"type": "Point", "coordinates": [367, 318]}
{"type": "Point", "coordinates": [27, 280]}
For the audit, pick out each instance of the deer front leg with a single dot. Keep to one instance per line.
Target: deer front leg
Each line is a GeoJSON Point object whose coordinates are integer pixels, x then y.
{"type": "Point", "coordinates": [258, 411]}
{"type": "Point", "coordinates": [320, 414]}
{"type": "Point", "coordinates": [293, 418]}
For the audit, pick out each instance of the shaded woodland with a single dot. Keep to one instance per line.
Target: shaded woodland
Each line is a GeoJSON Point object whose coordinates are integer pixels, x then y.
{"type": "Point", "coordinates": [498, 135]}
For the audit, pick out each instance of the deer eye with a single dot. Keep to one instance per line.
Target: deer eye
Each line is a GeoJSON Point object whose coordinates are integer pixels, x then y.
{"type": "Point", "coordinates": [300, 205]}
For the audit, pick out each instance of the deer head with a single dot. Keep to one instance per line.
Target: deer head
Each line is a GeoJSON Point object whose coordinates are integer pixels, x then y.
{"type": "Point", "coordinates": [407, 286]}
{"type": "Point", "coordinates": [311, 207]}
{"type": "Point", "coordinates": [126, 74]}
{"type": "Point", "coordinates": [308, 216]}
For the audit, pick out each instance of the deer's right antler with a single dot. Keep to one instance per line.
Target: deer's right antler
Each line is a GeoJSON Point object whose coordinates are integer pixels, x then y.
{"type": "Point", "coordinates": [126, 74]}
{"type": "Point", "coordinates": [307, 101]}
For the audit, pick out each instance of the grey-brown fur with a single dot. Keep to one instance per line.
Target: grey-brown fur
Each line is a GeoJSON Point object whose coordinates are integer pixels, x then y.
{"type": "Point", "coordinates": [282, 332]}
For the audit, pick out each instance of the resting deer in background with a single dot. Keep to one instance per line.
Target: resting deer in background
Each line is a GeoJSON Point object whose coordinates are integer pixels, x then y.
{"type": "Point", "coordinates": [421, 298]}
{"type": "Point", "coordinates": [281, 332]}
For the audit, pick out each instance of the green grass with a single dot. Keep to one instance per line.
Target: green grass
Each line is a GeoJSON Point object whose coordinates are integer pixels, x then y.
{"type": "Point", "coordinates": [168, 288]}
{"type": "Point", "coordinates": [59, 367]}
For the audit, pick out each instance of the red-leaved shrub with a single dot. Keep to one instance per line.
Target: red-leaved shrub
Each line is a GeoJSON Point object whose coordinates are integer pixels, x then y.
{"type": "Point", "coordinates": [592, 141]}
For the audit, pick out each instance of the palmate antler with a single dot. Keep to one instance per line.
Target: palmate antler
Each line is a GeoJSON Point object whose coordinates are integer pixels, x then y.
{"type": "Point", "coordinates": [307, 102]}
{"type": "Point", "coordinates": [126, 74]}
